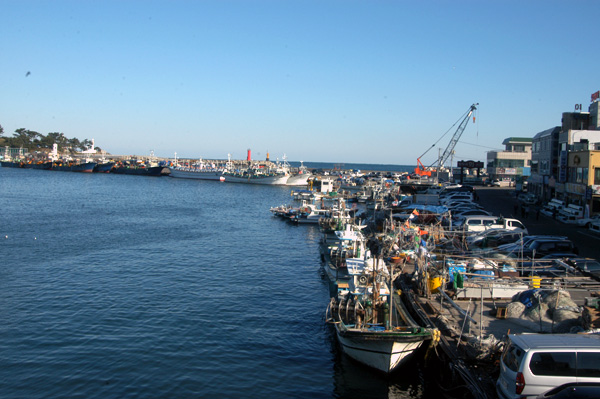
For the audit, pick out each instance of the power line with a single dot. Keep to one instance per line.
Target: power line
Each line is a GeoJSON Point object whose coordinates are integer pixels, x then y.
{"type": "Point", "coordinates": [482, 146]}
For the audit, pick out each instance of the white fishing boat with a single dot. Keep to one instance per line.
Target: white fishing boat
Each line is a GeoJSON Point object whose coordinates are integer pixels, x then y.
{"type": "Point", "coordinates": [310, 214]}
{"type": "Point", "coordinates": [255, 174]}
{"type": "Point", "coordinates": [343, 251]}
{"type": "Point", "coordinates": [202, 170]}
{"type": "Point", "coordinates": [371, 322]}
{"type": "Point", "coordinates": [197, 173]}
{"type": "Point", "coordinates": [299, 177]}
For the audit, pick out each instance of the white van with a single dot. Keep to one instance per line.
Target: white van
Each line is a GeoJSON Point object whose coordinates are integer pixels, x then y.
{"type": "Point", "coordinates": [572, 210]}
{"type": "Point", "coordinates": [477, 223]}
{"type": "Point", "coordinates": [553, 207]}
{"type": "Point", "coordinates": [533, 364]}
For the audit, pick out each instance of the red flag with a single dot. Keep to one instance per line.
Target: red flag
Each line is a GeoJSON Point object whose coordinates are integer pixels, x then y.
{"type": "Point", "coordinates": [595, 96]}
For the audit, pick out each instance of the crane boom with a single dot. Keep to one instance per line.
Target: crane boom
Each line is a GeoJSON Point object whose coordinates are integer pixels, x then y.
{"type": "Point", "coordinates": [456, 136]}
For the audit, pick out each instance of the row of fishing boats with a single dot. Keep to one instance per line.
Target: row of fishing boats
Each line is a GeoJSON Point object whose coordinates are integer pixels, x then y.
{"type": "Point", "coordinates": [243, 172]}
{"type": "Point", "coordinates": [226, 171]}
{"type": "Point", "coordinates": [395, 290]}
{"type": "Point", "coordinates": [370, 318]}
{"type": "Point", "coordinates": [90, 165]}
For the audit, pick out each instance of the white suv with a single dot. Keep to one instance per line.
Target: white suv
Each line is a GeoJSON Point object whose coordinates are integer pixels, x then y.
{"type": "Point", "coordinates": [533, 364]}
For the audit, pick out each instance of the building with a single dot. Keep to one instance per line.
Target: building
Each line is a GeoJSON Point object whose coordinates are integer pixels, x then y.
{"type": "Point", "coordinates": [544, 164]}
{"type": "Point", "coordinates": [565, 160]}
{"type": "Point", "coordinates": [513, 164]}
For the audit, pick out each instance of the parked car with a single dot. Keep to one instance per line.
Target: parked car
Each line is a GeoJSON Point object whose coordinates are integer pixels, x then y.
{"type": "Point", "coordinates": [463, 206]}
{"type": "Point", "coordinates": [540, 247]}
{"type": "Point", "coordinates": [533, 364]}
{"type": "Point", "coordinates": [493, 238]}
{"type": "Point", "coordinates": [527, 198]}
{"type": "Point", "coordinates": [574, 390]}
{"type": "Point", "coordinates": [550, 266]}
{"type": "Point", "coordinates": [586, 222]}
{"type": "Point", "coordinates": [470, 212]}
{"type": "Point", "coordinates": [587, 266]}
{"type": "Point", "coordinates": [525, 241]}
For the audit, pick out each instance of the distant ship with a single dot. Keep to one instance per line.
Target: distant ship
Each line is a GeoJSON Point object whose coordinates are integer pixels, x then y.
{"type": "Point", "coordinates": [199, 170]}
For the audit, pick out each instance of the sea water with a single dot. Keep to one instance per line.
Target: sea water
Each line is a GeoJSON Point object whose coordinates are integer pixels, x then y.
{"type": "Point", "coordinates": [116, 286]}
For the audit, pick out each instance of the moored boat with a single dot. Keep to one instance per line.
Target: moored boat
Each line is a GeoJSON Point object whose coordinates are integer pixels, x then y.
{"type": "Point", "coordinates": [85, 167]}
{"type": "Point", "coordinates": [10, 164]}
{"type": "Point", "coordinates": [254, 175]}
{"type": "Point", "coordinates": [299, 177]}
{"type": "Point", "coordinates": [104, 167]}
{"type": "Point", "coordinates": [371, 322]}
{"type": "Point", "coordinates": [141, 170]}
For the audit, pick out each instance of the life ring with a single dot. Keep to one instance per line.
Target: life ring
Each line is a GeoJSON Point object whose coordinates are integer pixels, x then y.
{"type": "Point", "coordinates": [363, 280]}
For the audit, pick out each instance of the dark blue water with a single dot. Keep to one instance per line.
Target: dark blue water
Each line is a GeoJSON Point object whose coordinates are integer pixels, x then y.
{"type": "Point", "coordinates": [115, 286]}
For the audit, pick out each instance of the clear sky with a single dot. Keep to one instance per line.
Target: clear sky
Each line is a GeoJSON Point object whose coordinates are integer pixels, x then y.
{"type": "Point", "coordinates": [332, 81]}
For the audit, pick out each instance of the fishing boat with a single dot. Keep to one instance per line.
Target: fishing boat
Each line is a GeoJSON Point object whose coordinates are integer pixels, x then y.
{"type": "Point", "coordinates": [299, 177]}
{"type": "Point", "coordinates": [10, 164]}
{"type": "Point", "coordinates": [344, 250]}
{"type": "Point", "coordinates": [255, 175]}
{"type": "Point", "coordinates": [309, 214]}
{"type": "Point", "coordinates": [141, 170]}
{"type": "Point", "coordinates": [199, 170]}
{"type": "Point", "coordinates": [84, 167]}
{"type": "Point", "coordinates": [104, 167]}
{"type": "Point", "coordinates": [182, 172]}
{"type": "Point", "coordinates": [73, 166]}
{"type": "Point", "coordinates": [372, 324]}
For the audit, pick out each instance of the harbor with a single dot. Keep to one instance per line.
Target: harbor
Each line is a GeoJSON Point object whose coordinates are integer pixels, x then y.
{"type": "Point", "coordinates": [386, 272]}
{"type": "Point", "coordinates": [359, 267]}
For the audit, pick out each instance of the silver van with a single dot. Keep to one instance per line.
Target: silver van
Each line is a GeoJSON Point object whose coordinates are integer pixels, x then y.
{"type": "Point", "coordinates": [533, 364]}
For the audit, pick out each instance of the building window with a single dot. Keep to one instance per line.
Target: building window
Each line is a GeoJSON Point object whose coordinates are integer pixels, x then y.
{"type": "Point", "coordinates": [596, 176]}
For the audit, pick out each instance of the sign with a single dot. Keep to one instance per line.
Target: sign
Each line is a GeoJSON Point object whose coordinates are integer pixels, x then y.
{"type": "Point", "coordinates": [596, 96]}
{"type": "Point", "coordinates": [562, 174]}
{"type": "Point", "coordinates": [470, 164]}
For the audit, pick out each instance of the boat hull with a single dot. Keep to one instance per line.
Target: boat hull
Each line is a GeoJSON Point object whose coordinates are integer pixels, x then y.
{"type": "Point", "coordinates": [104, 167]}
{"type": "Point", "coordinates": [87, 167]}
{"type": "Point", "coordinates": [152, 171]}
{"type": "Point", "coordinates": [196, 174]}
{"type": "Point", "coordinates": [8, 164]}
{"type": "Point", "coordinates": [384, 351]}
{"type": "Point", "coordinates": [297, 180]}
{"type": "Point", "coordinates": [256, 179]}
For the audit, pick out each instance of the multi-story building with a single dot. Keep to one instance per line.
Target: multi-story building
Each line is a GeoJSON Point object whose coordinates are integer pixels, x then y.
{"type": "Point", "coordinates": [513, 164]}
{"type": "Point", "coordinates": [566, 159]}
{"type": "Point", "coordinates": [544, 164]}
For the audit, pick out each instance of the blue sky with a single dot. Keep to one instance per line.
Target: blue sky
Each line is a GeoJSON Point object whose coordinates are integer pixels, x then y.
{"type": "Point", "coordinates": [332, 81]}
